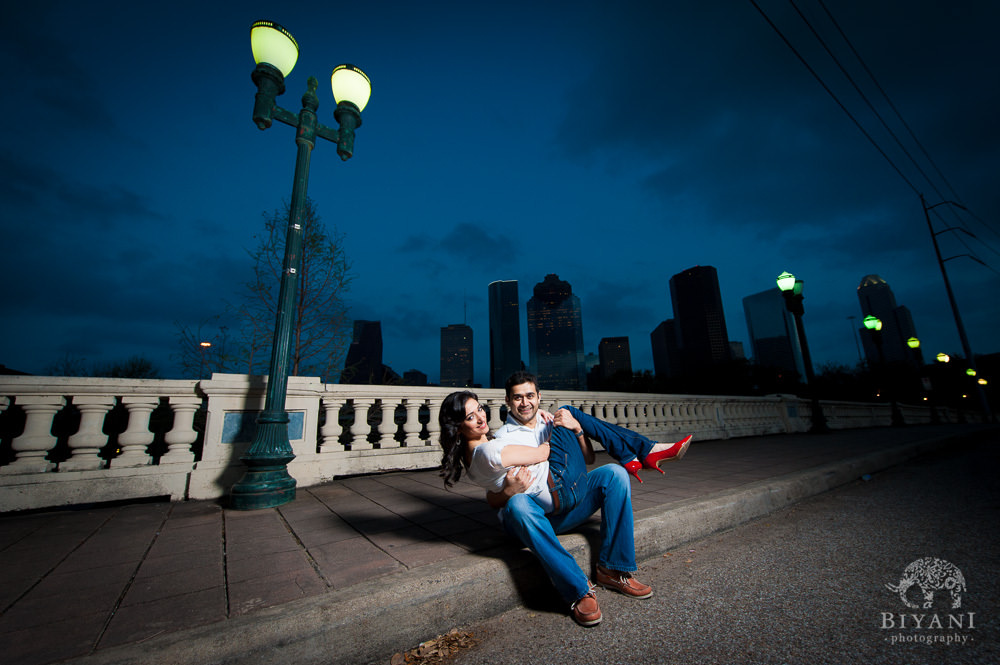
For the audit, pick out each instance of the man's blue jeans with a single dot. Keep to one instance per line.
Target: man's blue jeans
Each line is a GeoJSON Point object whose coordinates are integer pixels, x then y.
{"type": "Point", "coordinates": [580, 495]}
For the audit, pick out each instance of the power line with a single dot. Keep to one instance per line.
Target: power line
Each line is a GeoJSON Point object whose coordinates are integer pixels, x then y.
{"type": "Point", "coordinates": [834, 96]}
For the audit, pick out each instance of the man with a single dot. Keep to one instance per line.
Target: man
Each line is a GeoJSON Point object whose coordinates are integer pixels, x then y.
{"type": "Point", "coordinates": [576, 495]}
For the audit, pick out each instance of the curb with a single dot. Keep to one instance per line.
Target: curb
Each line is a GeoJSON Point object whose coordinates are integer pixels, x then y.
{"type": "Point", "coordinates": [366, 625]}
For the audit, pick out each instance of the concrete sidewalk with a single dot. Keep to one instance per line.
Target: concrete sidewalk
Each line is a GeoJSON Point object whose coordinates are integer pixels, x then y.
{"type": "Point", "coordinates": [356, 569]}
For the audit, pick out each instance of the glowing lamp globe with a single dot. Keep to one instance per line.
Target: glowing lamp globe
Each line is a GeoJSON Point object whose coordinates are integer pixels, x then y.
{"type": "Point", "coordinates": [350, 84]}
{"type": "Point", "coordinates": [786, 281]}
{"type": "Point", "coordinates": [943, 357]}
{"type": "Point", "coordinates": [873, 322]}
{"type": "Point", "coordinates": [913, 343]}
{"type": "Point", "coordinates": [274, 45]}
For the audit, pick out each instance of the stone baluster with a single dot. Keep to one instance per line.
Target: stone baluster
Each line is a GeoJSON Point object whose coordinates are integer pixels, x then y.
{"type": "Point", "coordinates": [494, 404]}
{"type": "Point", "coordinates": [90, 437]}
{"type": "Point", "coordinates": [412, 427]}
{"type": "Point", "coordinates": [136, 437]}
{"type": "Point", "coordinates": [35, 442]}
{"type": "Point", "coordinates": [387, 428]}
{"type": "Point", "coordinates": [433, 426]}
{"type": "Point", "coordinates": [331, 430]}
{"type": "Point", "coordinates": [360, 429]}
{"type": "Point", "coordinates": [610, 414]}
{"type": "Point", "coordinates": [182, 434]}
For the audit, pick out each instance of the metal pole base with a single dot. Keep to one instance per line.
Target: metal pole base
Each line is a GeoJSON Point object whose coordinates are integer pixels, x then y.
{"type": "Point", "coordinates": [263, 487]}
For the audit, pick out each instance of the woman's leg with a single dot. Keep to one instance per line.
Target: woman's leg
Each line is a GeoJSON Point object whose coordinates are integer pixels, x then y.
{"type": "Point", "coordinates": [622, 444]}
{"type": "Point", "coordinates": [524, 518]}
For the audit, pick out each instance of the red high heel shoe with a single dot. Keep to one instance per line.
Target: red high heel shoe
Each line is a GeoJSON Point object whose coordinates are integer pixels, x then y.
{"type": "Point", "coordinates": [633, 468]}
{"type": "Point", "coordinates": [675, 451]}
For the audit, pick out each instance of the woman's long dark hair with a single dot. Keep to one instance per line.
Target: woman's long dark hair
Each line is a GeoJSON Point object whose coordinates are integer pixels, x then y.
{"type": "Point", "coordinates": [450, 417]}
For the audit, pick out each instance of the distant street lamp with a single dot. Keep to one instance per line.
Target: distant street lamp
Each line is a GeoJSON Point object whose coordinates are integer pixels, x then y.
{"type": "Point", "coordinates": [791, 289]}
{"type": "Point", "coordinates": [266, 482]}
{"type": "Point", "coordinates": [913, 343]}
{"type": "Point", "coordinates": [943, 358]}
{"type": "Point", "coordinates": [874, 326]}
{"type": "Point", "coordinates": [202, 347]}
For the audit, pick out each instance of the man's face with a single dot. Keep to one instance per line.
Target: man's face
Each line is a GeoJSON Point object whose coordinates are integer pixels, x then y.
{"type": "Point", "coordinates": [522, 401]}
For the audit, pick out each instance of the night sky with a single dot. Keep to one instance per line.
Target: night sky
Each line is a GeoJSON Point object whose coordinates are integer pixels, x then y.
{"type": "Point", "coordinates": [612, 143]}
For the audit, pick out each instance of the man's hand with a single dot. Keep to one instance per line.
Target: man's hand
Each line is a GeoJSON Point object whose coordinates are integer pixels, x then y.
{"type": "Point", "coordinates": [564, 418]}
{"type": "Point", "coordinates": [517, 481]}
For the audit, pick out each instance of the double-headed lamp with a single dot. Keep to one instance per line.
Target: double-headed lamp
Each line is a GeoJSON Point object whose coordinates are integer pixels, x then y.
{"type": "Point", "coordinates": [274, 45]}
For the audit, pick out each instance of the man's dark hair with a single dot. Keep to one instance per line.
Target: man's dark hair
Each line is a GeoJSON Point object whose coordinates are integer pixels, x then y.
{"type": "Point", "coordinates": [519, 377]}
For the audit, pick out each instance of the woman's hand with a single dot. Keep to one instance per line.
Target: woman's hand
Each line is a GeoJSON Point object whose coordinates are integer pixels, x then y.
{"type": "Point", "coordinates": [545, 416]}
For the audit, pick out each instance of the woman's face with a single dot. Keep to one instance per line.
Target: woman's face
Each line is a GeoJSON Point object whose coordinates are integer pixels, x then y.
{"type": "Point", "coordinates": [475, 426]}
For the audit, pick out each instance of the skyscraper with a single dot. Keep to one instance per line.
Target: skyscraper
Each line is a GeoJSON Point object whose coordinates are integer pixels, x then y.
{"type": "Point", "coordinates": [456, 356]}
{"type": "Point", "coordinates": [555, 335]}
{"type": "Point", "coordinates": [615, 356]}
{"type": "Point", "coordinates": [774, 340]}
{"type": "Point", "coordinates": [666, 350]}
{"type": "Point", "coordinates": [701, 323]}
{"type": "Point", "coordinates": [505, 332]}
{"type": "Point", "coordinates": [878, 300]}
{"type": "Point", "coordinates": [363, 364]}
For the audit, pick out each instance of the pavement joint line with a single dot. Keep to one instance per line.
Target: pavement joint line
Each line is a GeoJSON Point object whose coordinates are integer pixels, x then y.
{"type": "Point", "coordinates": [425, 601]}
{"type": "Point", "coordinates": [131, 579]}
{"type": "Point", "coordinates": [302, 548]}
{"type": "Point", "coordinates": [42, 577]}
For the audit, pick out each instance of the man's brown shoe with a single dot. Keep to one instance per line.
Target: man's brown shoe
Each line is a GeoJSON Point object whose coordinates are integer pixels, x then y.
{"type": "Point", "coordinates": [622, 583]}
{"type": "Point", "coordinates": [586, 611]}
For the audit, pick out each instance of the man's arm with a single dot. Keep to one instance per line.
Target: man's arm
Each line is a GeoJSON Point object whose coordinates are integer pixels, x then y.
{"type": "Point", "coordinates": [565, 419]}
{"type": "Point", "coordinates": [517, 481]}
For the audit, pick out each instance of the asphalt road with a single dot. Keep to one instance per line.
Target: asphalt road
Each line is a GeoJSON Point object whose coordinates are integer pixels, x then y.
{"type": "Point", "coordinates": [804, 585]}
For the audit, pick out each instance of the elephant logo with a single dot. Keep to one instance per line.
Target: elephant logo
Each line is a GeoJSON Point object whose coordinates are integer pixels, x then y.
{"type": "Point", "coordinates": [930, 575]}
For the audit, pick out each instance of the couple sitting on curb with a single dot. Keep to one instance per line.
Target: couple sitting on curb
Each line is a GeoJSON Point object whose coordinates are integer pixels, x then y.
{"type": "Point", "coordinates": [535, 472]}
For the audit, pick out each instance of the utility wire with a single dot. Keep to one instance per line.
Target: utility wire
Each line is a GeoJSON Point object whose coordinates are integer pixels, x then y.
{"type": "Point", "coordinates": [864, 97]}
{"type": "Point", "coordinates": [834, 96]}
{"type": "Point", "coordinates": [963, 224]}
{"type": "Point", "coordinates": [871, 75]}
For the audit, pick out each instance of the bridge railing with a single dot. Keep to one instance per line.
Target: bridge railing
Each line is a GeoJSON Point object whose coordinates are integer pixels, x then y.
{"type": "Point", "coordinates": [66, 441]}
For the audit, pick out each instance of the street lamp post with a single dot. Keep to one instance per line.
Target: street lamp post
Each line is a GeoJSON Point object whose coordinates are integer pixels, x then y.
{"type": "Point", "coordinates": [874, 326]}
{"type": "Point", "coordinates": [969, 355]}
{"type": "Point", "coordinates": [266, 482]}
{"type": "Point", "coordinates": [203, 347]}
{"type": "Point", "coordinates": [791, 289]}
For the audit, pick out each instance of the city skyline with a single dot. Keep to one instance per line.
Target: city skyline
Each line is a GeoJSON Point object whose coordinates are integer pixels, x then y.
{"type": "Point", "coordinates": [626, 143]}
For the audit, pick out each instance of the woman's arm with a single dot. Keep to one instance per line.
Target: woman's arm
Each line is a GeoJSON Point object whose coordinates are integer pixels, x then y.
{"type": "Point", "coordinates": [515, 455]}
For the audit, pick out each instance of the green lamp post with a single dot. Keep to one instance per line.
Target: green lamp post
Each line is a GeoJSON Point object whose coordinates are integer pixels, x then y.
{"type": "Point", "coordinates": [267, 482]}
{"type": "Point", "coordinates": [791, 289]}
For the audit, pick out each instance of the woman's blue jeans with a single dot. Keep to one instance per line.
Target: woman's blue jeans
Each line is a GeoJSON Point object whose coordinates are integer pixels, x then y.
{"type": "Point", "coordinates": [580, 495]}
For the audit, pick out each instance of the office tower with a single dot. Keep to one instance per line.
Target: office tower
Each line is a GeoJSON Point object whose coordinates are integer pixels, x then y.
{"type": "Point", "coordinates": [736, 351]}
{"type": "Point", "coordinates": [505, 332]}
{"type": "Point", "coordinates": [363, 364]}
{"type": "Point", "coordinates": [701, 323]}
{"type": "Point", "coordinates": [456, 356]}
{"type": "Point", "coordinates": [877, 299]}
{"type": "Point", "coordinates": [414, 377]}
{"type": "Point", "coordinates": [774, 340]}
{"type": "Point", "coordinates": [555, 336]}
{"type": "Point", "coordinates": [666, 350]}
{"type": "Point", "coordinates": [615, 356]}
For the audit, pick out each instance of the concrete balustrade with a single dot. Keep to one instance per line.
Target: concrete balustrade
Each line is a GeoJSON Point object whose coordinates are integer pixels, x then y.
{"type": "Point", "coordinates": [184, 439]}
